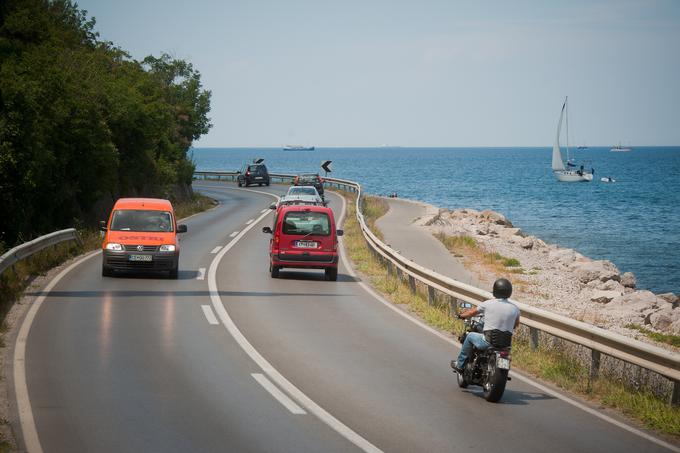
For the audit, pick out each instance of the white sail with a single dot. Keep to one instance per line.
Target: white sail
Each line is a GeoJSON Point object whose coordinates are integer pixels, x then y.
{"type": "Point", "coordinates": [557, 163]}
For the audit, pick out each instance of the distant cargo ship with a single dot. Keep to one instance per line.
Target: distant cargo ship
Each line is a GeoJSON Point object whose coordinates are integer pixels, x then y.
{"type": "Point", "coordinates": [298, 148]}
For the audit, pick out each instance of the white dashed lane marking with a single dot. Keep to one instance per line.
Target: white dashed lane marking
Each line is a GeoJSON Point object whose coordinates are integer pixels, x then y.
{"type": "Point", "coordinates": [234, 234]}
{"type": "Point", "coordinates": [216, 249]}
{"type": "Point", "coordinates": [250, 221]}
{"type": "Point", "coordinates": [201, 274]}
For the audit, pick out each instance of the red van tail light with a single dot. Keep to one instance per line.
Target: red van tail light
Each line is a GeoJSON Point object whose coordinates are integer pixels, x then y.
{"type": "Point", "coordinates": [277, 239]}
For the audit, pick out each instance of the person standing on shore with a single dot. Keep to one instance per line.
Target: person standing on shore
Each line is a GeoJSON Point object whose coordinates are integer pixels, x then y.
{"type": "Point", "coordinates": [499, 314]}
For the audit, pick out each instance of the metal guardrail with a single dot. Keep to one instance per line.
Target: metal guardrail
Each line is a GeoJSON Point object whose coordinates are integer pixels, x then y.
{"type": "Point", "coordinates": [27, 249]}
{"type": "Point", "coordinates": [599, 341]}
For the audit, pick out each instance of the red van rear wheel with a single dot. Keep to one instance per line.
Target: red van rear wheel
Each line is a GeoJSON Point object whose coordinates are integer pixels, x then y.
{"type": "Point", "coordinates": [275, 271]}
{"type": "Point", "coordinates": [332, 273]}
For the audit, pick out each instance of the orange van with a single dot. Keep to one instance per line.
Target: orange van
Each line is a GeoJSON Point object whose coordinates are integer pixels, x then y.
{"type": "Point", "coordinates": [304, 237]}
{"type": "Point", "coordinates": [141, 235]}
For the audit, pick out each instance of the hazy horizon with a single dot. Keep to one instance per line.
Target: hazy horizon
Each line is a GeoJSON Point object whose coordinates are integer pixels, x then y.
{"type": "Point", "coordinates": [437, 73]}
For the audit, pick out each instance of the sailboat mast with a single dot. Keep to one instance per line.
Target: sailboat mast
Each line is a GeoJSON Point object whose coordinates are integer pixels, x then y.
{"type": "Point", "coordinates": [566, 98]}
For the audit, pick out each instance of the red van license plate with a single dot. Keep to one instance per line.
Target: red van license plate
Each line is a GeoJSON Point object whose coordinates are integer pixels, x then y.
{"type": "Point", "coordinates": [305, 244]}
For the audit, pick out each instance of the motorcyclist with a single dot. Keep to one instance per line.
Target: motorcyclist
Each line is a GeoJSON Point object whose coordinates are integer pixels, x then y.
{"type": "Point", "coordinates": [499, 313]}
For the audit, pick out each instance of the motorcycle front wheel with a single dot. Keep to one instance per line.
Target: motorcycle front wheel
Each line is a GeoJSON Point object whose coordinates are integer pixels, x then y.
{"type": "Point", "coordinates": [462, 383]}
{"type": "Point", "coordinates": [494, 386]}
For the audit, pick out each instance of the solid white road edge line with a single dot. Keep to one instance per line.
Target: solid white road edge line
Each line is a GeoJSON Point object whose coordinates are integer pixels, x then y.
{"type": "Point", "coordinates": [210, 315]}
{"type": "Point", "coordinates": [233, 234]}
{"type": "Point", "coordinates": [216, 249]}
{"type": "Point", "coordinates": [26, 420]}
{"type": "Point", "coordinates": [268, 369]}
{"type": "Point", "coordinates": [201, 274]}
{"type": "Point", "coordinates": [524, 379]}
{"type": "Point", "coordinates": [278, 394]}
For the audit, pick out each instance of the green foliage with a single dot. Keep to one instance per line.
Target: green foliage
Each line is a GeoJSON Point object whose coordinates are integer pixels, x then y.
{"type": "Point", "coordinates": [673, 340]}
{"type": "Point", "coordinates": [81, 122]}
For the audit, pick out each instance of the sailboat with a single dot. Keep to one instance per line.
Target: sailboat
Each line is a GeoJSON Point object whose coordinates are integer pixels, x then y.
{"type": "Point", "coordinates": [569, 173]}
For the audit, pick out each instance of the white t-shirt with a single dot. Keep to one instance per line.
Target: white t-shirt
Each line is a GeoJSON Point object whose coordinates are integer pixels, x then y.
{"type": "Point", "coordinates": [499, 314]}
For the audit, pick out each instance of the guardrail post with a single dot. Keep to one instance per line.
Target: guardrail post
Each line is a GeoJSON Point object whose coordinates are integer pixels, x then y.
{"type": "Point", "coordinates": [533, 338]}
{"type": "Point", "coordinates": [675, 396]}
{"type": "Point", "coordinates": [400, 275]}
{"type": "Point", "coordinates": [412, 283]}
{"type": "Point", "coordinates": [390, 268]}
{"type": "Point", "coordinates": [430, 296]}
{"type": "Point", "coordinates": [594, 364]}
{"type": "Point", "coordinates": [453, 306]}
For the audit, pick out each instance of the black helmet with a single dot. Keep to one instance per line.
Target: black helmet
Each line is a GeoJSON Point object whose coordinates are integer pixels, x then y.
{"type": "Point", "coordinates": [502, 288]}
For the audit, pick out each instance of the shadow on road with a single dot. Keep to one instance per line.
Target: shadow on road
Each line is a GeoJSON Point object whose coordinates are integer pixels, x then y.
{"type": "Point", "coordinates": [513, 397]}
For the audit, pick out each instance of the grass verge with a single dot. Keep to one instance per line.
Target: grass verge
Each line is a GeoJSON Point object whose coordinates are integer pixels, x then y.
{"type": "Point", "coordinates": [548, 363]}
{"type": "Point", "coordinates": [673, 340]}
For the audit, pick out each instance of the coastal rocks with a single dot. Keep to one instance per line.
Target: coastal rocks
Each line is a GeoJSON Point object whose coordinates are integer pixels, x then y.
{"type": "Point", "coordinates": [527, 243]}
{"type": "Point", "coordinates": [664, 318]}
{"type": "Point", "coordinates": [628, 280]}
{"type": "Point", "coordinates": [495, 217]}
{"type": "Point", "coordinates": [602, 270]}
{"type": "Point", "coordinates": [603, 297]}
{"type": "Point", "coordinates": [670, 298]}
{"type": "Point", "coordinates": [559, 279]}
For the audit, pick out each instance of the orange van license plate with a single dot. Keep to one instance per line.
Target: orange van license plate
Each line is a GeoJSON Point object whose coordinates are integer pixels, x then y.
{"type": "Point", "coordinates": [139, 258]}
{"type": "Point", "coordinates": [306, 244]}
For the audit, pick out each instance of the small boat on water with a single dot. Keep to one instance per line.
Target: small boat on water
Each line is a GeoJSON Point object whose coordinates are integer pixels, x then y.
{"type": "Point", "coordinates": [298, 148]}
{"type": "Point", "coordinates": [608, 179]}
{"type": "Point", "coordinates": [620, 149]}
{"type": "Point", "coordinates": [569, 173]}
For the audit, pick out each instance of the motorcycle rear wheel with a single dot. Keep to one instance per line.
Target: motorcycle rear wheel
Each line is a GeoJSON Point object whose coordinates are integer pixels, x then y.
{"type": "Point", "coordinates": [494, 386]}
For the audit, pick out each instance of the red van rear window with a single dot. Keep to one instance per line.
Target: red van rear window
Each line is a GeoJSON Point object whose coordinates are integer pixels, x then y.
{"type": "Point", "coordinates": [307, 222]}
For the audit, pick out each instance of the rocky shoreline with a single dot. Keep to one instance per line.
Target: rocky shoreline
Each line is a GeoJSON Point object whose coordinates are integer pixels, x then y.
{"type": "Point", "coordinates": [560, 279]}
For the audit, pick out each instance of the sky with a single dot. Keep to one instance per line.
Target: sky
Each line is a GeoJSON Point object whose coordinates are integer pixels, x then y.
{"type": "Point", "coordinates": [418, 73]}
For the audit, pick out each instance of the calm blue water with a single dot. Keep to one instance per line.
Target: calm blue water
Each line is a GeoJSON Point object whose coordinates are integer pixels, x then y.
{"type": "Point", "coordinates": [635, 222]}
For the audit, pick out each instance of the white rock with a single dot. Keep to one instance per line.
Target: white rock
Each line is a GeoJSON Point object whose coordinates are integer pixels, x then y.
{"type": "Point", "coordinates": [527, 243]}
{"type": "Point", "coordinates": [628, 280]}
{"type": "Point", "coordinates": [602, 270]}
{"type": "Point", "coordinates": [670, 298]}
{"type": "Point", "coordinates": [662, 319]}
{"type": "Point", "coordinates": [610, 285]}
{"type": "Point", "coordinates": [637, 301]}
{"type": "Point", "coordinates": [604, 297]}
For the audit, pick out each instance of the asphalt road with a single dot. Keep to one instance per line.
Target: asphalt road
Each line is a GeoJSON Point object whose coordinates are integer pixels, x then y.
{"type": "Point", "coordinates": [133, 363]}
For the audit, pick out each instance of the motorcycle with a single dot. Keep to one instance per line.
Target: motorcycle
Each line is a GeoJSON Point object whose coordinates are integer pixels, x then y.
{"type": "Point", "coordinates": [487, 368]}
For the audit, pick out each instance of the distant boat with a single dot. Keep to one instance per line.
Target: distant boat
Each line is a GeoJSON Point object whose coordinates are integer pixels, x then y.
{"type": "Point", "coordinates": [568, 173]}
{"type": "Point", "coordinates": [298, 148]}
{"type": "Point", "coordinates": [608, 179]}
{"type": "Point", "coordinates": [581, 147]}
{"type": "Point", "coordinates": [620, 149]}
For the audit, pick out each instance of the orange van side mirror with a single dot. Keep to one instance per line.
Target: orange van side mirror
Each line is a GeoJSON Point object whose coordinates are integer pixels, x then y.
{"type": "Point", "coordinates": [181, 228]}
{"type": "Point", "coordinates": [102, 225]}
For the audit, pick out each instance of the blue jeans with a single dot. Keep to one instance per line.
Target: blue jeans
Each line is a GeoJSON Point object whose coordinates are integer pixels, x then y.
{"type": "Point", "coordinates": [475, 339]}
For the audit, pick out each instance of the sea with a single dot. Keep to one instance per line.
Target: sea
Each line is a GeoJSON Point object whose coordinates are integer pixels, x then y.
{"type": "Point", "coordinates": [633, 222]}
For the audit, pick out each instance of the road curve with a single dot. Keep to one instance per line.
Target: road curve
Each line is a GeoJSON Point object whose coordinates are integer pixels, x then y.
{"type": "Point", "coordinates": [135, 364]}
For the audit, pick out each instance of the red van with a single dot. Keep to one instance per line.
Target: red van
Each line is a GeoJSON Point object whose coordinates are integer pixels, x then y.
{"type": "Point", "coordinates": [141, 234]}
{"type": "Point", "coordinates": [304, 237]}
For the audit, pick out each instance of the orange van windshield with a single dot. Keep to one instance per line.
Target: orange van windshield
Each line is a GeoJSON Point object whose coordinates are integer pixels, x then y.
{"type": "Point", "coordinates": [303, 222]}
{"type": "Point", "coordinates": [141, 220]}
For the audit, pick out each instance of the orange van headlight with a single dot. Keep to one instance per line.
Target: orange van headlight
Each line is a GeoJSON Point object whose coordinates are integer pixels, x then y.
{"type": "Point", "coordinates": [114, 247]}
{"type": "Point", "coordinates": [167, 248]}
